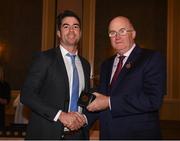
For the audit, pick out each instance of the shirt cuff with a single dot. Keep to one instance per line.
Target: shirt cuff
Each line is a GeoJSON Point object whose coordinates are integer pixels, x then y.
{"type": "Point", "coordinates": [86, 120]}
{"type": "Point", "coordinates": [57, 115]}
{"type": "Point", "coordinates": [109, 103]}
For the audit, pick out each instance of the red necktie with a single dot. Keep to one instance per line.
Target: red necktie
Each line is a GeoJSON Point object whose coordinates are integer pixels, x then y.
{"type": "Point", "coordinates": [118, 69]}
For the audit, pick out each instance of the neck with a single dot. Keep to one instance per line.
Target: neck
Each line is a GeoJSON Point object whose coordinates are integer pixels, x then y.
{"type": "Point", "coordinates": [70, 49]}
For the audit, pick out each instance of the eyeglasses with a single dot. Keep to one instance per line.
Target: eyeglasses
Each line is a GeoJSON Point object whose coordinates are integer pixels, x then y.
{"type": "Point", "coordinates": [121, 32]}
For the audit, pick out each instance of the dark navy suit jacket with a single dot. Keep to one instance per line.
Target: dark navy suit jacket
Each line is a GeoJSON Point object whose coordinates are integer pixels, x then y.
{"type": "Point", "coordinates": [135, 98]}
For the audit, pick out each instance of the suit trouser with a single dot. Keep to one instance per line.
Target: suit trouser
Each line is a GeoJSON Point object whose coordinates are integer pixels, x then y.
{"type": "Point", "coordinates": [73, 135]}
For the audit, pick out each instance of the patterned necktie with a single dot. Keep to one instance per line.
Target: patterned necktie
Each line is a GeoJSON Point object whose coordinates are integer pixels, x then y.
{"type": "Point", "coordinates": [118, 69]}
{"type": "Point", "coordinates": [75, 86]}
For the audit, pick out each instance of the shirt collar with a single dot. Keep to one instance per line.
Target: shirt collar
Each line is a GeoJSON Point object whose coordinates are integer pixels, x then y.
{"type": "Point", "coordinates": [64, 51]}
{"type": "Point", "coordinates": [128, 52]}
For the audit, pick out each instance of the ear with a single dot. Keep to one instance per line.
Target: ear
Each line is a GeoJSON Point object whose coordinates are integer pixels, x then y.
{"type": "Point", "coordinates": [80, 34]}
{"type": "Point", "coordinates": [58, 33]}
{"type": "Point", "coordinates": [134, 34]}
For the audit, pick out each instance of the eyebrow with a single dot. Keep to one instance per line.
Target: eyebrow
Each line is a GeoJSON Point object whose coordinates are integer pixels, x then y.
{"type": "Point", "coordinates": [69, 24]}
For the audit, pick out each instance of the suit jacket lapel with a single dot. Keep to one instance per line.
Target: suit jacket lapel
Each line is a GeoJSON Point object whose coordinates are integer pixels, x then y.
{"type": "Point", "coordinates": [64, 74]}
{"type": "Point", "coordinates": [62, 68]}
{"type": "Point", "coordinates": [86, 73]}
{"type": "Point", "coordinates": [130, 64]}
{"type": "Point", "coordinates": [108, 69]}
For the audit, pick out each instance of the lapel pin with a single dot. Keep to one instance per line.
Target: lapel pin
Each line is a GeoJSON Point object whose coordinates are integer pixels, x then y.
{"type": "Point", "coordinates": [129, 65]}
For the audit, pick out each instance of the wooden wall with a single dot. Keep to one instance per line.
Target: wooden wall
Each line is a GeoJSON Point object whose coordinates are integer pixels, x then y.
{"type": "Point", "coordinates": [171, 107]}
{"type": "Point", "coordinates": [24, 37]}
{"type": "Point", "coordinates": [20, 29]}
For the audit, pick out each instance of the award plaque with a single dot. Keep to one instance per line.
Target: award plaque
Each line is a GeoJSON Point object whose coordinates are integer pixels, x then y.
{"type": "Point", "coordinates": [85, 99]}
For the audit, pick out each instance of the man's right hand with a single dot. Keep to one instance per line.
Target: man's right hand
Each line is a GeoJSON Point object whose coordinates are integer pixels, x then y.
{"type": "Point", "coordinates": [100, 103]}
{"type": "Point", "coordinates": [72, 120]}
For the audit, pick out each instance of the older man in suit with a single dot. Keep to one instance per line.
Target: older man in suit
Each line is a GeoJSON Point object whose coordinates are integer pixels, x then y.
{"type": "Point", "coordinates": [132, 86]}
{"type": "Point", "coordinates": [55, 80]}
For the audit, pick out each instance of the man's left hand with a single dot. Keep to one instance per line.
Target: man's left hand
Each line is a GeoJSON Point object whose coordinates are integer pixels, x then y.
{"type": "Point", "coordinates": [100, 103]}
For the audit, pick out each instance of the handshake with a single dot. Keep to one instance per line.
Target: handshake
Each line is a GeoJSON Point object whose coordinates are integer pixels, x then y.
{"type": "Point", "coordinates": [92, 102]}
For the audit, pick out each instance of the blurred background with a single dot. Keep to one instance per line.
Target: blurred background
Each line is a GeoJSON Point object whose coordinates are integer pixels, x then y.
{"type": "Point", "coordinates": [30, 26]}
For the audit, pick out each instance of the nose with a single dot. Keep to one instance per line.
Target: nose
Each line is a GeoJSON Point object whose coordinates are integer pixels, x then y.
{"type": "Point", "coordinates": [118, 35]}
{"type": "Point", "coordinates": [71, 28]}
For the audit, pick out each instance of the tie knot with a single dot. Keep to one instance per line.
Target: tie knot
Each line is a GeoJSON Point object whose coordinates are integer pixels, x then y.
{"type": "Point", "coordinates": [71, 56]}
{"type": "Point", "coordinates": [121, 58]}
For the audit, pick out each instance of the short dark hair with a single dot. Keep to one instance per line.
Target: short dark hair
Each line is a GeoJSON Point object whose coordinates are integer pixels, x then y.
{"type": "Point", "coordinates": [66, 13]}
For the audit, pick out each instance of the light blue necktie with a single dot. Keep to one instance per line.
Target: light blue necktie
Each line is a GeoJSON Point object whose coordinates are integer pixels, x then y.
{"type": "Point", "coordinates": [75, 86]}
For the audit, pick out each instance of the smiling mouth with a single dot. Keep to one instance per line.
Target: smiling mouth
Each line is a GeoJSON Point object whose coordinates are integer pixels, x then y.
{"type": "Point", "coordinates": [71, 36]}
{"type": "Point", "coordinates": [119, 42]}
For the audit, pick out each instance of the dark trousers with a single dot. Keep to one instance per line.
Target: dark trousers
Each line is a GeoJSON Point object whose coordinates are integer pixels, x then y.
{"type": "Point", "coordinates": [73, 135]}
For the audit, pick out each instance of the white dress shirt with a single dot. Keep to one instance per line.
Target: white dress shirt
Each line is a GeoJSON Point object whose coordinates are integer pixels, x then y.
{"type": "Point", "coordinates": [69, 69]}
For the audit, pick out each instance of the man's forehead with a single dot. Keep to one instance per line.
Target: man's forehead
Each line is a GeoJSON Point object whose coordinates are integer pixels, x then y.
{"type": "Point", "coordinates": [119, 22]}
{"type": "Point", "coordinates": [70, 19]}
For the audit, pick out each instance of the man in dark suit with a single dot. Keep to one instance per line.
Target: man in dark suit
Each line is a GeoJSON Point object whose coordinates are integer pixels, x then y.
{"type": "Point", "coordinates": [128, 105]}
{"type": "Point", "coordinates": [48, 89]}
